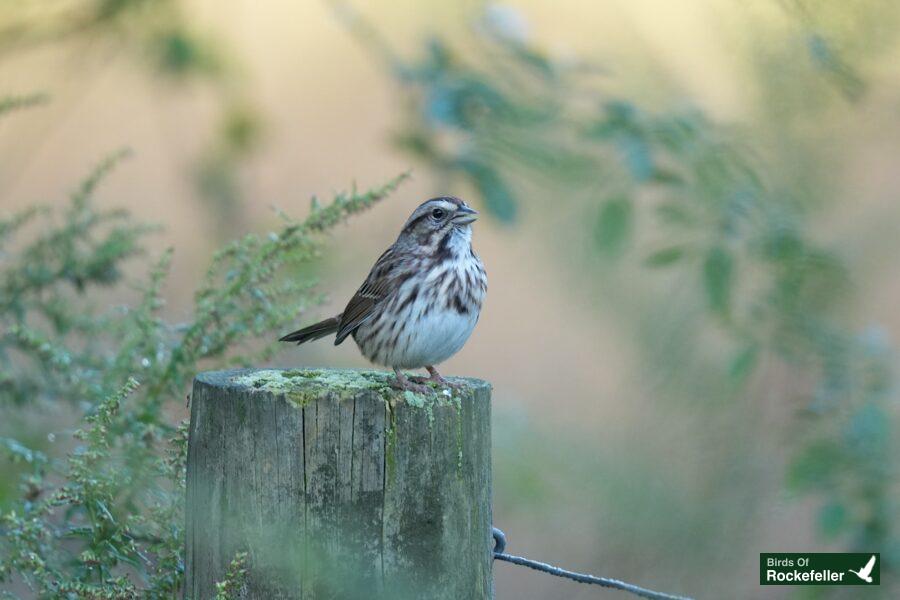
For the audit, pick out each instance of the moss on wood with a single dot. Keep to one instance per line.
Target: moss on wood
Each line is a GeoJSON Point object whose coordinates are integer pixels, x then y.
{"type": "Point", "coordinates": [301, 386]}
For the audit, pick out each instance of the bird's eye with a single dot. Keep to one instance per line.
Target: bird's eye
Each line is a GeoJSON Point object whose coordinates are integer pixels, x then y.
{"type": "Point", "coordinates": [437, 213]}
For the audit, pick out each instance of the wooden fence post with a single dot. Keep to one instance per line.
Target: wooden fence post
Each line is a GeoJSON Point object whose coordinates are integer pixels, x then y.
{"type": "Point", "coordinates": [338, 486]}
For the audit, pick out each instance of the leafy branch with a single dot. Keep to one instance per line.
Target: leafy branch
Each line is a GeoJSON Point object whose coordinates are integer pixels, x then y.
{"type": "Point", "coordinates": [107, 522]}
{"type": "Point", "coordinates": [697, 198]}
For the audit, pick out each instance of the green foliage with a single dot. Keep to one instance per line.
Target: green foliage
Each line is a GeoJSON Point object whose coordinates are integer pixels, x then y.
{"type": "Point", "coordinates": [11, 103]}
{"type": "Point", "coordinates": [106, 522]}
{"type": "Point", "coordinates": [718, 273]}
{"type": "Point", "coordinates": [234, 578]}
{"type": "Point", "coordinates": [664, 257]}
{"type": "Point", "coordinates": [716, 212]}
{"type": "Point", "coordinates": [614, 225]}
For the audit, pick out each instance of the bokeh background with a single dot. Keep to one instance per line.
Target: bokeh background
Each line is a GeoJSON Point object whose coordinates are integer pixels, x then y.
{"type": "Point", "coordinates": [690, 231]}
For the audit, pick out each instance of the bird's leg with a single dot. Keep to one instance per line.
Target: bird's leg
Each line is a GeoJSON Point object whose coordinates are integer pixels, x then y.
{"type": "Point", "coordinates": [435, 377]}
{"type": "Point", "coordinates": [405, 384]}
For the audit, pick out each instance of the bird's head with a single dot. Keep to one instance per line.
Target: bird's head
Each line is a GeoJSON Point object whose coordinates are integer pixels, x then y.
{"type": "Point", "coordinates": [439, 216]}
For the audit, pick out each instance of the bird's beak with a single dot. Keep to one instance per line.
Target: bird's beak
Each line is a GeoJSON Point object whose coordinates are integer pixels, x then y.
{"type": "Point", "coordinates": [465, 215]}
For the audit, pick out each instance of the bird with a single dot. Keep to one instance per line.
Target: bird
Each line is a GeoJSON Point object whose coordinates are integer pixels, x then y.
{"type": "Point", "coordinates": [421, 299]}
{"type": "Point", "coordinates": [866, 572]}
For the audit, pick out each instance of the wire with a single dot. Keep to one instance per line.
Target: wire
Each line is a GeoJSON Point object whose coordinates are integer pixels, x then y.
{"type": "Point", "coordinates": [500, 554]}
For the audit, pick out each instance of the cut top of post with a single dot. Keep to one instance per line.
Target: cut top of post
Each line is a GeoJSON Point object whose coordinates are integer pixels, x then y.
{"type": "Point", "coordinates": [302, 386]}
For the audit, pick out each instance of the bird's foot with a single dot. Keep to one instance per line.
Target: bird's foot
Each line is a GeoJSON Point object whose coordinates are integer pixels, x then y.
{"type": "Point", "coordinates": [435, 377]}
{"type": "Point", "coordinates": [405, 384]}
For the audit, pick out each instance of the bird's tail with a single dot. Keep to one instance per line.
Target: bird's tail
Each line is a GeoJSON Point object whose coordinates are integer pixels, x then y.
{"type": "Point", "coordinates": [313, 332]}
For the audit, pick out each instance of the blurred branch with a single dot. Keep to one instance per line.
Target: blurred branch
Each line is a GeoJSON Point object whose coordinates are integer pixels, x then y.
{"type": "Point", "coordinates": [11, 103]}
{"type": "Point", "coordinates": [715, 212]}
{"type": "Point", "coordinates": [161, 37]}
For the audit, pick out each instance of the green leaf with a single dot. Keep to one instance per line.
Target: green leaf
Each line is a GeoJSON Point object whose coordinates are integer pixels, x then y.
{"type": "Point", "coordinates": [744, 363]}
{"type": "Point", "coordinates": [666, 176]}
{"type": "Point", "coordinates": [868, 432]}
{"type": "Point", "coordinates": [718, 274]}
{"type": "Point", "coordinates": [614, 225]}
{"type": "Point", "coordinates": [674, 213]}
{"type": "Point", "coordinates": [493, 188]}
{"type": "Point", "coordinates": [816, 467]}
{"type": "Point", "coordinates": [10, 103]}
{"type": "Point", "coordinates": [782, 245]}
{"type": "Point", "coordinates": [833, 519]}
{"type": "Point", "coordinates": [664, 257]}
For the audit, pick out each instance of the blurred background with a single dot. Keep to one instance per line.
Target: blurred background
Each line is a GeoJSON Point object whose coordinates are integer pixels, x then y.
{"type": "Point", "coordinates": [690, 229]}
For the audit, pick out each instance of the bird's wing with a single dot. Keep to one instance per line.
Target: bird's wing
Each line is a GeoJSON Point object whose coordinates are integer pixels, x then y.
{"type": "Point", "coordinates": [869, 565]}
{"type": "Point", "coordinates": [383, 280]}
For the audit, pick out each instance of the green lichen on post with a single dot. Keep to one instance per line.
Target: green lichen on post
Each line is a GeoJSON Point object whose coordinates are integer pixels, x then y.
{"type": "Point", "coordinates": [428, 402]}
{"type": "Point", "coordinates": [302, 386]}
{"type": "Point", "coordinates": [414, 399]}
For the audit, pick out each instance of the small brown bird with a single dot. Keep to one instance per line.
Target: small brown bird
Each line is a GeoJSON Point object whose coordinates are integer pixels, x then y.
{"type": "Point", "coordinates": [421, 299]}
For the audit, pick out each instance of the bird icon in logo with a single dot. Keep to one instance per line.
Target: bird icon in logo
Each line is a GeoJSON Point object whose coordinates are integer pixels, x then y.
{"type": "Point", "coordinates": [866, 572]}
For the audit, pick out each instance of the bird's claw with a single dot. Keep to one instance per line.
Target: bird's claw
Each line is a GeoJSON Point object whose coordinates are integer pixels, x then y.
{"type": "Point", "coordinates": [410, 386]}
{"type": "Point", "coordinates": [403, 383]}
{"type": "Point", "coordinates": [440, 381]}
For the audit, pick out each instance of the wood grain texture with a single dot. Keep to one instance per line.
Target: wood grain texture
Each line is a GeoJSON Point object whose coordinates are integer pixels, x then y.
{"type": "Point", "coordinates": [338, 486]}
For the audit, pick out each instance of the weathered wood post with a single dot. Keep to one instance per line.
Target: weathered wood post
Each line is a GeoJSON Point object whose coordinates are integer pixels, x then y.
{"type": "Point", "coordinates": [338, 486]}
